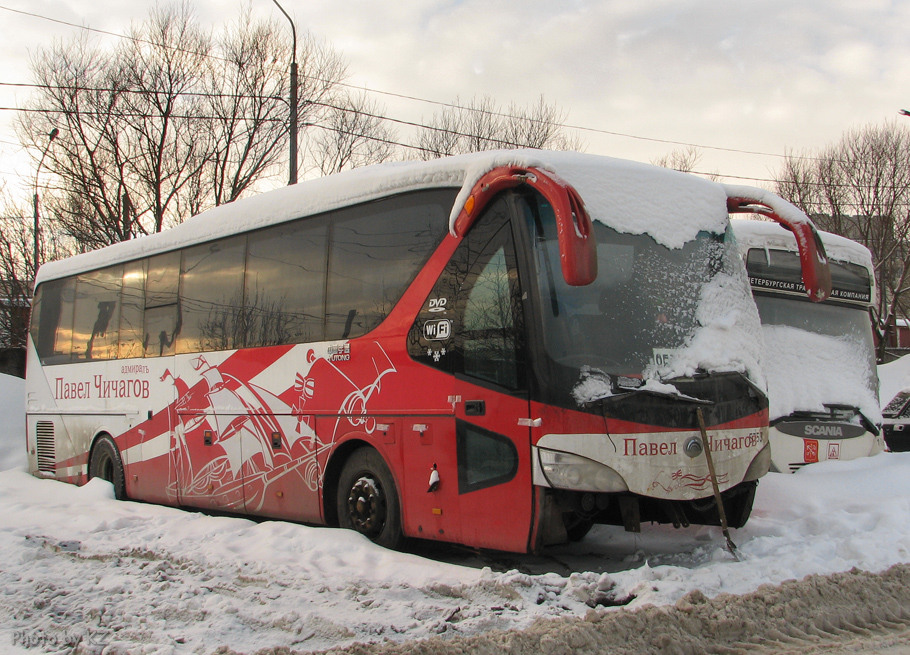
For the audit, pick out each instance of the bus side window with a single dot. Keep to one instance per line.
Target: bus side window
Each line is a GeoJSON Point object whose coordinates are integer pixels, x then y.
{"type": "Point", "coordinates": [132, 305]}
{"type": "Point", "coordinates": [284, 287]}
{"type": "Point", "coordinates": [477, 301]}
{"type": "Point", "coordinates": [162, 313]}
{"type": "Point", "coordinates": [376, 251]}
{"type": "Point", "coordinates": [52, 324]}
{"type": "Point", "coordinates": [96, 324]}
{"type": "Point", "coordinates": [211, 296]}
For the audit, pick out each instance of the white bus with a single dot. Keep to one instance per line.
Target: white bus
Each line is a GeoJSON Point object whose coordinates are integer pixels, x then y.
{"type": "Point", "coordinates": [820, 357]}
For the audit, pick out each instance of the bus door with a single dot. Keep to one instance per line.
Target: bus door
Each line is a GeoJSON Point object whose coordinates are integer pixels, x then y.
{"type": "Point", "coordinates": [471, 326]}
{"type": "Point", "coordinates": [208, 454]}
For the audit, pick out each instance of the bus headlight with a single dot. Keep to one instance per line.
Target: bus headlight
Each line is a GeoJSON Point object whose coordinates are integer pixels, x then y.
{"type": "Point", "coordinates": [568, 471]}
{"type": "Point", "coordinates": [760, 465]}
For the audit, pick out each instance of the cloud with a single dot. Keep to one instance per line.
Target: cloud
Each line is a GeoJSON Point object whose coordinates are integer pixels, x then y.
{"type": "Point", "coordinates": [754, 76]}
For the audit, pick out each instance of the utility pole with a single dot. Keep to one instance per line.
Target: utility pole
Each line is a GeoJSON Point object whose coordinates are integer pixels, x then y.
{"type": "Point", "coordinates": [292, 178]}
{"type": "Point", "coordinates": [37, 253]}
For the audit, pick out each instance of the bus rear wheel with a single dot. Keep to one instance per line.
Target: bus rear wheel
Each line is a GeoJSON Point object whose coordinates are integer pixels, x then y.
{"type": "Point", "coordinates": [367, 500]}
{"type": "Point", "coordinates": [105, 463]}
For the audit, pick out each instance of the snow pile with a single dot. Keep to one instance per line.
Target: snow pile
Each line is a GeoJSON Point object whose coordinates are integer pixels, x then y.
{"type": "Point", "coordinates": [773, 620]}
{"type": "Point", "coordinates": [777, 204]}
{"type": "Point", "coordinates": [79, 566]}
{"type": "Point", "coordinates": [631, 197]}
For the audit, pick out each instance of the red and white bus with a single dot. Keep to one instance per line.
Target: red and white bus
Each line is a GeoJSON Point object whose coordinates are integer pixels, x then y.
{"type": "Point", "coordinates": [820, 360]}
{"type": "Point", "coordinates": [497, 350]}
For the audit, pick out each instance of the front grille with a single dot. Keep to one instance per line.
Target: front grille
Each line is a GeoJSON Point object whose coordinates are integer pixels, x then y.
{"type": "Point", "coordinates": [44, 437]}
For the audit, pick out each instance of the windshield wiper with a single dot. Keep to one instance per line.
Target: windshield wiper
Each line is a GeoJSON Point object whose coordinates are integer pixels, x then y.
{"type": "Point", "coordinates": [596, 386]}
{"type": "Point", "coordinates": [666, 393]}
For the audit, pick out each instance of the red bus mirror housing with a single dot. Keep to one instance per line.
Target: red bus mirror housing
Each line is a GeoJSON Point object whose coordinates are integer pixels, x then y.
{"type": "Point", "coordinates": [575, 231]}
{"type": "Point", "coordinates": [812, 256]}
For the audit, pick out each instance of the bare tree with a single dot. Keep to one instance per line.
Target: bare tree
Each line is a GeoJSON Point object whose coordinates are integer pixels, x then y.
{"type": "Point", "coordinates": [80, 96]}
{"type": "Point", "coordinates": [684, 160]}
{"type": "Point", "coordinates": [165, 60]}
{"type": "Point", "coordinates": [860, 188]}
{"type": "Point", "coordinates": [248, 127]}
{"type": "Point", "coordinates": [351, 134]}
{"type": "Point", "coordinates": [17, 268]}
{"type": "Point", "coordinates": [15, 280]}
{"type": "Point", "coordinates": [481, 125]}
{"type": "Point", "coordinates": [169, 123]}
{"type": "Point", "coordinates": [539, 126]}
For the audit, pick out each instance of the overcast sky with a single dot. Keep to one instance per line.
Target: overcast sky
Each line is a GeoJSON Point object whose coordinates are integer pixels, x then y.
{"type": "Point", "coordinates": [734, 78]}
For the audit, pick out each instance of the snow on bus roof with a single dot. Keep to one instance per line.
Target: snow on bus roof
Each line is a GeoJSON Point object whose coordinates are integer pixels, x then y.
{"type": "Point", "coordinates": [753, 233]}
{"type": "Point", "coordinates": [778, 205]}
{"type": "Point", "coordinates": [631, 197]}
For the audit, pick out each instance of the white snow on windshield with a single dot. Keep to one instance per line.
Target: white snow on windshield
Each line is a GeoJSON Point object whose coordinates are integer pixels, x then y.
{"type": "Point", "coordinates": [806, 370]}
{"type": "Point", "coordinates": [729, 337]}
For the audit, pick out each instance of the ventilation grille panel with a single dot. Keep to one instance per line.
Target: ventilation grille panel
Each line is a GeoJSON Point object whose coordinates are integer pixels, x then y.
{"type": "Point", "coordinates": [47, 457]}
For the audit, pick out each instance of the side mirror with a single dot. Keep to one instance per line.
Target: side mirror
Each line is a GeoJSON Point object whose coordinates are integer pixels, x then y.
{"type": "Point", "coordinates": [575, 232]}
{"type": "Point", "coordinates": [812, 256]}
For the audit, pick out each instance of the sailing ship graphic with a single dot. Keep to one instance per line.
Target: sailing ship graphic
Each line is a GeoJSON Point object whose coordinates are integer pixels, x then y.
{"type": "Point", "coordinates": [233, 457]}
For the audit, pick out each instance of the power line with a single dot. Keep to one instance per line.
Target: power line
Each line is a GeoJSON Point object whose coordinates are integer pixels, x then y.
{"type": "Point", "coordinates": [500, 142]}
{"type": "Point", "coordinates": [403, 96]}
{"type": "Point", "coordinates": [416, 124]}
{"type": "Point", "coordinates": [199, 94]}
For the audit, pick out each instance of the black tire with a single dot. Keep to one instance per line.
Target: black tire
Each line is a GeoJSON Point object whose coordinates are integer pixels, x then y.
{"type": "Point", "coordinates": [105, 463]}
{"type": "Point", "coordinates": [367, 500]}
{"type": "Point", "coordinates": [738, 503]}
{"type": "Point", "coordinates": [577, 527]}
{"type": "Point", "coordinates": [737, 506]}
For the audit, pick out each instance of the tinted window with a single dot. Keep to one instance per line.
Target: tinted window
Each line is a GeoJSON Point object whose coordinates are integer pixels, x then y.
{"type": "Point", "coordinates": [376, 250]}
{"type": "Point", "coordinates": [472, 321]}
{"type": "Point", "coordinates": [285, 284]}
{"type": "Point", "coordinates": [96, 318]}
{"type": "Point", "coordinates": [488, 337]}
{"type": "Point", "coordinates": [780, 270]}
{"type": "Point", "coordinates": [233, 294]}
{"type": "Point", "coordinates": [484, 458]}
{"type": "Point", "coordinates": [132, 306]}
{"type": "Point", "coordinates": [162, 315]}
{"type": "Point", "coordinates": [211, 296]}
{"type": "Point", "coordinates": [52, 321]}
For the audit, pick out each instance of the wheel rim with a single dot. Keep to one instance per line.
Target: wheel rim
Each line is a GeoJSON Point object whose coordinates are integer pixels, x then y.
{"type": "Point", "coordinates": [367, 506]}
{"type": "Point", "coordinates": [107, 469]}
{"type": "Point", "coordinates": [104, 468]}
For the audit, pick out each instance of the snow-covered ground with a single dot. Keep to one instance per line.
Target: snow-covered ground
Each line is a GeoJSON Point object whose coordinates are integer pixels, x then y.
{"type": "Point", "coordinates": [78, 567]}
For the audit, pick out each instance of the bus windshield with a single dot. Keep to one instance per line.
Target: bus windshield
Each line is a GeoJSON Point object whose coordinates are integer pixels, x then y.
{"type": "Point", "coordinates": [637, 319]}
{"type": "Point", "coordinates": [830, 344]}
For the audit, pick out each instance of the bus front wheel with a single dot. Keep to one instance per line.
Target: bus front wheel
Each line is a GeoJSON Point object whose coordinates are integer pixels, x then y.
{"type": "Point", "coordinates": [105, 463]}
{"type": "Point", "coordinates": [367, 500]}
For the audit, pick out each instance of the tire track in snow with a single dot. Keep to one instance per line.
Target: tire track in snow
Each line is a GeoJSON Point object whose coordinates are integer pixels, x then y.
{"type": "Point", "coordinates": [853, 612]}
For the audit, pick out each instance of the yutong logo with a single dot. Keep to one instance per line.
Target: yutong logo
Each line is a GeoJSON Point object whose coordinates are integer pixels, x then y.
{"type": "Point", "coordinates": [820, 429]}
